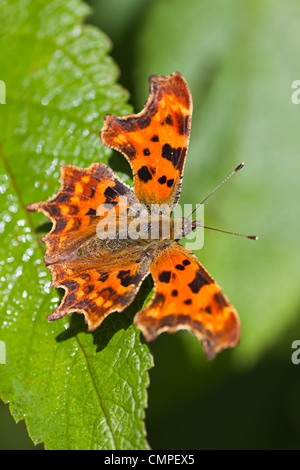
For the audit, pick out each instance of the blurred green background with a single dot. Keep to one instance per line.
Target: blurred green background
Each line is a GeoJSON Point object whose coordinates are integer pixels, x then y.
{"type": "Point", "coordinates": [239, 58]}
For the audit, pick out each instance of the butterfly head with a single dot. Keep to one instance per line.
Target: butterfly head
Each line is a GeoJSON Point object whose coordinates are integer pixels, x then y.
{"type": "Point", "coordinates": [184, 226]}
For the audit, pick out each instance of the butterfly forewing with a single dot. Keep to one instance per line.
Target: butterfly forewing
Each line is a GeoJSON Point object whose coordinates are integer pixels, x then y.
{"type": "Point", "coordinates": [155, 141]}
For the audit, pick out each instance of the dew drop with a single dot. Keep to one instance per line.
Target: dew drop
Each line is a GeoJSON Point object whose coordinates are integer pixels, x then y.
{"type": "Point", "coordinates": [76, 103]}
{"type": "Point", "coordinates": [19, 271]}
{"type": "Point", "coordinates": [42, 274]}
{"type": "Point", "coordinates": [6, 218]}
{"type": "Point", "coordinates": [13, 208]}
{"type": "Point", "coordinates": [3, 188]}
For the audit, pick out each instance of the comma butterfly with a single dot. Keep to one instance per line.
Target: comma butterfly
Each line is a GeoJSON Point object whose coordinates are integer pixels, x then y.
{"type": "Point", "coordinates": [101, 274]}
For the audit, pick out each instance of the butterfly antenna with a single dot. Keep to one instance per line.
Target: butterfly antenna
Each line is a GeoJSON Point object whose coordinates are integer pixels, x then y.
{"type": "Point", "coordinates": [239, 167]}
{"type": "Point", "coordinates": [196, 223]}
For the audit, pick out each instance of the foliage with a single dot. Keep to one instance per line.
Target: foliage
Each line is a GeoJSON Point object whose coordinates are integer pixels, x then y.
{"type": "Point", "coordinates": [75, 390]}
{"type": "Point", "coordinates": [240, 59]}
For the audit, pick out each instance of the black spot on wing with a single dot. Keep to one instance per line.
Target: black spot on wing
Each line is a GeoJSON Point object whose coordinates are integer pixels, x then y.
{"type": "Point", "coordinates": [165, 276]}
{"type": "Point", "coordinates": [88, 289]}
{"type": "Point", "coordinates": [172, 154]}
{"type": "Point", "coordinates": [162, 179]}
{"type": "Point", "coordinates": [91, 212]}
{"type": "Point", "coordinates": [186, 262]}
{"type": "Point", "coordinates": [144, 174]}
{"type": "Point", "coordinates": [111, 194]}
{"type": "Point", "coordinates": [129, 150]}
{"type": "Point", "coordinates": [179, 267]}
{"type": "Point", "coordinates": [169, 120]}
{"type": "Point", "coordinates": [198, 282]}
{"type": "Point", "coordinates": [103, 277]}
{"type": "Point", "coordinates": [126, 278]}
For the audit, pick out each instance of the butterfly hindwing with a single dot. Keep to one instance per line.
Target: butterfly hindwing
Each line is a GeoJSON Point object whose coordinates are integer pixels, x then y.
{"type": "Point", "coordinates": [186, 297]}
{"type": "Point", "coordinates": [97, 290]}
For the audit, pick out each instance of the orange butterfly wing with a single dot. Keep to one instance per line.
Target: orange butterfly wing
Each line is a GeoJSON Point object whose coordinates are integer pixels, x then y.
{"type": "Point", "coordinates": [186, 297]}
{"type": "Point", "coordinates": [95, 289]}
{"type": "Point", "coordinates": [98, 277]}
{"type": "Point", "coordinates": [155, 141]}
{"type": "Point", "coordinates": [73, 209]}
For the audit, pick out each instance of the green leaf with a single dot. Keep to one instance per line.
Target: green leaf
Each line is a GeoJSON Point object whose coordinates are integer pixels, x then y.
{"type": "Point", "coordinates": [75, 390]}
{"type": "Point", "coordinates": [240, 59]}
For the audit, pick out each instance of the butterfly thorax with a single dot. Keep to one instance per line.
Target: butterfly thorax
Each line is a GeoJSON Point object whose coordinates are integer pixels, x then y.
{"type": "Point", "coordinates": [139, 233]}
